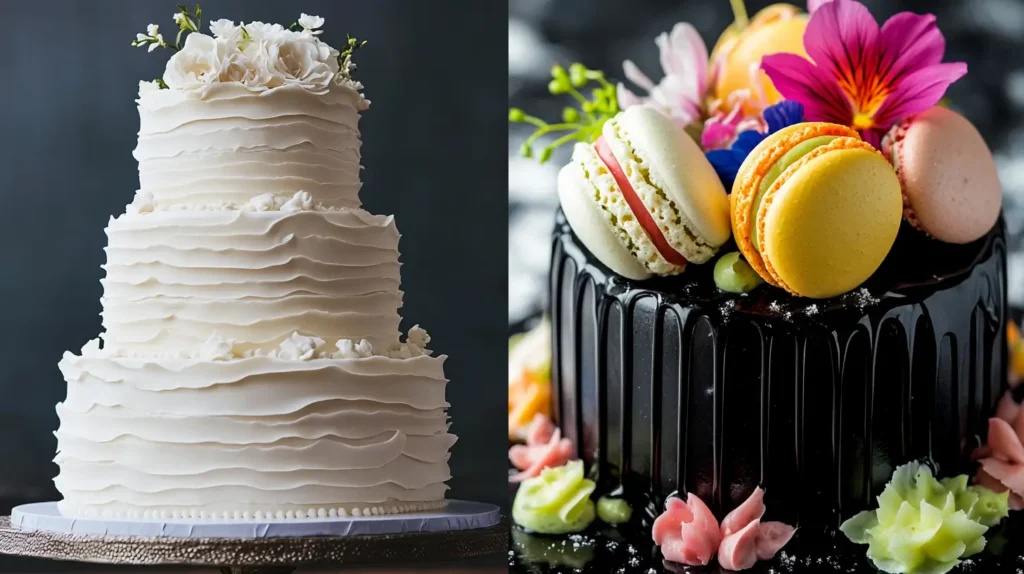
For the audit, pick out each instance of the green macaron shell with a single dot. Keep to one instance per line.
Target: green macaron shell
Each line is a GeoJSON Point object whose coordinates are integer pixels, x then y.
{"type": "Point", "coordinates": [792, 156]}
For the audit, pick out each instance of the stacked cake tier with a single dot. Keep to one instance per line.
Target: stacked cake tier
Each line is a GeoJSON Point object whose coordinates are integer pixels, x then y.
{"type": "Point", "coordinates": [671, 385]}
{"type": "Point", "coordinates": [251, 364]}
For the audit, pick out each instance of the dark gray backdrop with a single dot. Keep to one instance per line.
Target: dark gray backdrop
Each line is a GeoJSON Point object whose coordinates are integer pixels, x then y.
{"type": "Point", "coordinates": [433, 153]}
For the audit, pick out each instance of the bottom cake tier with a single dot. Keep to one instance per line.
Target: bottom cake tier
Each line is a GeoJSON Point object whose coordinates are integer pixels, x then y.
{"type": "Point", "coordinates": [256, 437]}
{"type": "Point", "coordinates": [671, 385]}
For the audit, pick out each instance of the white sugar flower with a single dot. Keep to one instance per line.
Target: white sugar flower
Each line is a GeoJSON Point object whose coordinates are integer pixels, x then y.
{"type": "Point", "coordinates": [198, 63]}
{"type": "Point", "coordinates": [301, 201]}
{"type": "Point", "coordinates": [140, 37]}
{"type": "Point", "coordinates": [311, 23]}
{"type": "Point", "coordinates": [217, 348]}
{"type": "Point", "coordinates": [153, 30]}
{"type": "Point", "coordinates": [179, 17]}
{"type": "Point", "coordinates": [299, 347]}
{"type": "Point", "coordinates": [297, 60]}
{"type": "Point", "coordinates": [259, 31]}
{"type": "Point", "coordinates": [240, 67]}
{"type": "Point", "coordinates": [225, 29]}
{"type": "Point", "coordinates": [147, 87]}
{"type": "Point", "coordinates": [418, 336]}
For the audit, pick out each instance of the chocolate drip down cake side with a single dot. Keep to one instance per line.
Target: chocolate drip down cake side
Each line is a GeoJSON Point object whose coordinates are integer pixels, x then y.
{"type": "Point", "coordinates": [674, 386]}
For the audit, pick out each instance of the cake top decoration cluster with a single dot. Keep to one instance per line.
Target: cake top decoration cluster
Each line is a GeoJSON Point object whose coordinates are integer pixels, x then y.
{"type": "Point", "coordinates": [256, 55]}
{"type": "Point", "coordinates": [815, 135]}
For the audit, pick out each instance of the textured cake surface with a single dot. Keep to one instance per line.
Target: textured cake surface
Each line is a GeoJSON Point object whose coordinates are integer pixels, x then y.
{"type": "Point", "coordinates": [672, 386]}
{"type": "Point", "coordinates": [251, 364]}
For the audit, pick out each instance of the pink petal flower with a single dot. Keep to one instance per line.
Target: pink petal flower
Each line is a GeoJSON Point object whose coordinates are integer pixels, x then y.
{"type": "Point", "coordinates": [680, 94]}
{"type": "Point", "coordinates": [771, 537]}
{"type": "Point", "coordinates": [1010, 475]}
{"type": "Point", "coordinates": [813, 5]}
{"type": "Point", "coordinates": [739, 550]}
{"type": "Point", "coordinates": [544, 448]}
{"type": "Point", "coordinates": [1007, 409]}
{"type": "Point", "coordinates": [745, 539]}
{"type": "Point", "coordinates": [864, 76]}
{"type": "Point", "coordinates": [797, 79]}
{"type": "Point", "coordinates": [752, 509]}
{"type": "Point", "coordinates": [1004, 442]}
{"type": "Point", "coordinates": [687, 532]}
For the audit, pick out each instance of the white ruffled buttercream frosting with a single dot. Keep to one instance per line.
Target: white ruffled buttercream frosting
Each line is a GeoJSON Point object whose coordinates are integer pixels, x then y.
{"type": "Point", "coordinates": [228, 143]}
{"type": "Point", "coordinates": [251, 365]}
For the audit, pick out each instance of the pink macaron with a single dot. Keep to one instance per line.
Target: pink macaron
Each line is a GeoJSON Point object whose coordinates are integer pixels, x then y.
{"type": "Point", "coordinates": [950, 185]}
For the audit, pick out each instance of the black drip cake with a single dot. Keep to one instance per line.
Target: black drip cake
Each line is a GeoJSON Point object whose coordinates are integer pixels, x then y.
{"type": "Point", "coordinates": [670, 385]}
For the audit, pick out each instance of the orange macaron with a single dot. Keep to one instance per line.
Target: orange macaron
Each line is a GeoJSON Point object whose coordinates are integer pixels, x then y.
{"type": "Point", "coordinates": [815, 209]}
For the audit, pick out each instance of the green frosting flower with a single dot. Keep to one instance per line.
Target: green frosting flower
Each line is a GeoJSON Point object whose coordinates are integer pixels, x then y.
{"type": "Point", "coordinates": [923, 525]}
{"type": "Point", "coordinates": [556, 502]}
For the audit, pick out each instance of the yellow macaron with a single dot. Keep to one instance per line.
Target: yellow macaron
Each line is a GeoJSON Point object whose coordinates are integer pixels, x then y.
{"type": "Point", "coordinates": [815, 209]}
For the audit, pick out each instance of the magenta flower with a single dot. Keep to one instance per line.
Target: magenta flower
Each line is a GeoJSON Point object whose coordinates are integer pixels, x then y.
{"type": "Point", "coordinates": [862, 76]}
{"type": "Point", "coordinates": [680, 94]}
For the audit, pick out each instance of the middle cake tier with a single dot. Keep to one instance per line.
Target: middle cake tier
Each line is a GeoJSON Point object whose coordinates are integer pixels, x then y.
{"type": "Point", "coordinates": [176, 279]}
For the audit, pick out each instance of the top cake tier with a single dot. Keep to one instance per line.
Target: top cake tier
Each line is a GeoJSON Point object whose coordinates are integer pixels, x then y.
{"type": "Point", "coordinates": [227, 145]}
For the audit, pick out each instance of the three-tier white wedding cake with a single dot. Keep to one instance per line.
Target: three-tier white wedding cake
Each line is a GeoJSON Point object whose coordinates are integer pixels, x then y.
{"type": "Point", "coordinates": [251, 365]}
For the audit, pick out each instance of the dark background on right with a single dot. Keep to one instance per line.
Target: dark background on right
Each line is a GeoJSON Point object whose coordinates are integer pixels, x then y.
{"type": "Point", "coordinates": [987, 34]}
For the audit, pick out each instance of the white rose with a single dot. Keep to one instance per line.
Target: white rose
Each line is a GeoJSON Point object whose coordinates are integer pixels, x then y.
{"type": "Point", "coordinates": [311, 23]}
{"type": "Point", "coordinates": [298, 61]}
{"type": "Point", "coordinates": [259, 31]}
{"type": "Point", "coordinates": [225, 29]}
{"type": "Point", "coordinates": [197, 64]}
{"type": "Point", "coordinates": [240, 67]}
{"type": "Point", "coordinates": [148, 87]}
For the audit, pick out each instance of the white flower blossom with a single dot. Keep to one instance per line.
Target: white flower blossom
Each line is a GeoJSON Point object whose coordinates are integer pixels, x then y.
{"type": "Point", "coordinates": [299, 347]}
{"type": "Point", "coordinates": [418, 336]}
{"type": "Point", "coordinates": [216, 348]}
{"type": "Point", "coordinates": [197, 64]}
{"type": "Point", "coordinates": [311, 23]}
{"type": "Point", "coordinates": [298, 60]}
{"type": "Point", "coordinates": [225, 29]}
{"type": "Point", "coordinates": [179, 17]}
{"type": "Point", "coordinates": [147, 87]}
{"type": "Point", "coordinates": [301, 201]}
{"type": "Point", "coordinates": [259, 31]}
{"type": "Point", "coordinates": [140, 37]}
{"type": "Point", "coordinates": [153, 30]}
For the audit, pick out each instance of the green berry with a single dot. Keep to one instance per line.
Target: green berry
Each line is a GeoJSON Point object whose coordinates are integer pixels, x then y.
{"type": "Point", "coordinates": [557, 88]}
{"type": "Point", "coordinates": [613, 510]}
{"type": "Point", "coordinates": [516, 115]}
{"type": "Point", "coordinates": [570, 115]}
{"type": "Point", "coordinates": [733, 274]}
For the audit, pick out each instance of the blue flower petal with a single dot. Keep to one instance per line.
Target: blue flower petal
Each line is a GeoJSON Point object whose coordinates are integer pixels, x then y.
{"type": "Point", "coordinates": [782, 114]}
{"type": "Point", "coordinates": [727, 162]}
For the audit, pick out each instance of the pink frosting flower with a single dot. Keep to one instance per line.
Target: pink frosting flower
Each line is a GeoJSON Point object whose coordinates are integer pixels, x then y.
{"type": "Point", "coordinates": [861, 75]}
{"type": "Point", "coordinates": [544, 448]}
{"type": "Point", "coordinates": [680, 94]}
{"type": "Point", "coordinates": [745, 539]}
{"type": "Point", "coordinates": [687, 532]}
{"type": "Point", "coordinates": [1002, 458]}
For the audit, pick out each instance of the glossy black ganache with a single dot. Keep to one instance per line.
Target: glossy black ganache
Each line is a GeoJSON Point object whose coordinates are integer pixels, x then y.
{"type": "Point", "coordinates": [671, 385]}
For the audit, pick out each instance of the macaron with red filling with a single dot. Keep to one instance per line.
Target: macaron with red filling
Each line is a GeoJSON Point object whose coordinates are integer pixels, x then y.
{"type": "Point", "coordinates": [950, 185]}
{"type": "Point", "coordinates": [643, 198]}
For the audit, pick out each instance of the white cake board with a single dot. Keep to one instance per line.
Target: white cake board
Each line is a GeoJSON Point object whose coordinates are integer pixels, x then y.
{"type": "Point", "coordinates": [458, 515]}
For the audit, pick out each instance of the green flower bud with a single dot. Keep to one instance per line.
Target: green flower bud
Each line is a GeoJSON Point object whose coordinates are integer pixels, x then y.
{"type": "Point", "coordinates": [557, 88]}
{"type": "Point", "coordinates": [559, 73]}
{"type": "Point", "coordinates": [516, 115]}
{"type": "Point", "coordinates": [545, 154]}
{"type": "Point", "coordinates": [525, 150]}
{"type": "Point", "coordinates": [578, 74]}
{"type": "Point", "coordinates": [570, 115]}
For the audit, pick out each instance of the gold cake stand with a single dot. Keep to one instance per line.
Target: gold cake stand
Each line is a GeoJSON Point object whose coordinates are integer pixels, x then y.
{"type": "Point", "coordinates": [256, 555]}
